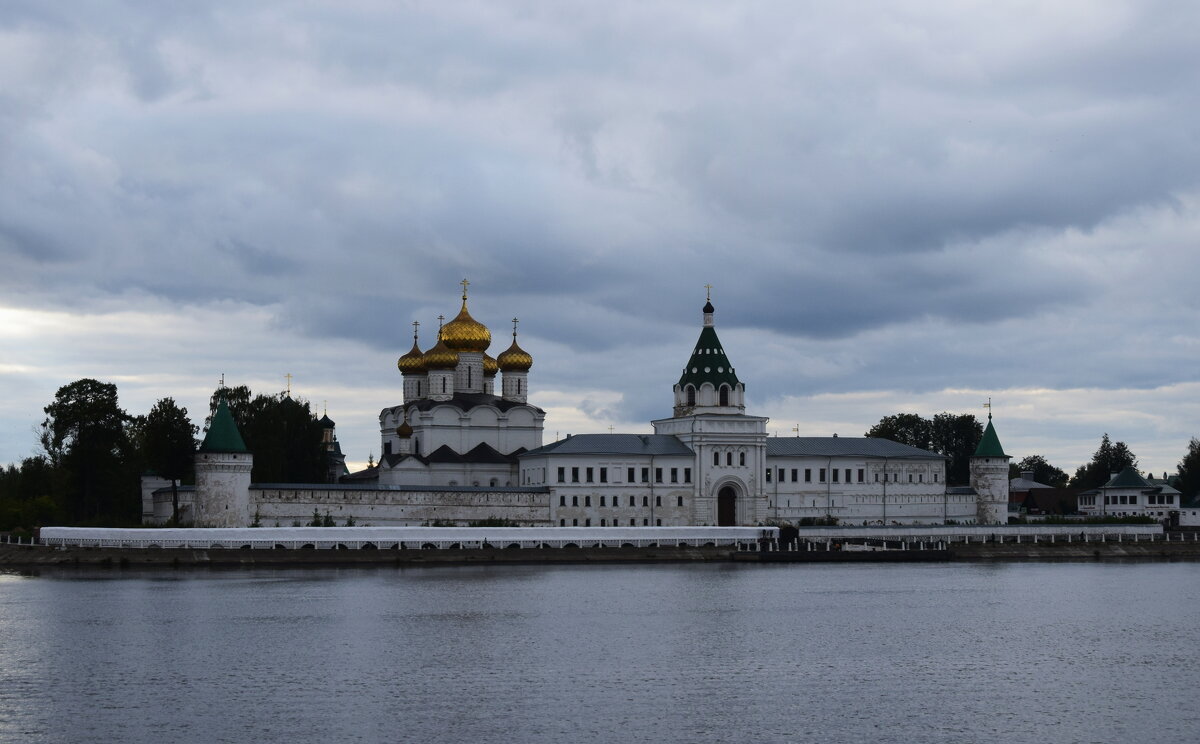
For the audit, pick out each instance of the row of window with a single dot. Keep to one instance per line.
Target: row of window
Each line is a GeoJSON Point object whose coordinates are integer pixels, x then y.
{"type": "Point", "coordinates": [835, 474]}
{"type": "Point", "coordinates": [729, 459]}
{"type": "Point", "coordinates": [616, 501]}
{"type": "Point", "coordinates": [589, 475]}
{"type": "Point", "coordinates": [604, 523]}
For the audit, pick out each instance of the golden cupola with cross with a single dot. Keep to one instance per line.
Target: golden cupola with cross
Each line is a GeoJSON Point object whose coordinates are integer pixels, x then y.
{"type": "Point", "coordinates": [464, 333]}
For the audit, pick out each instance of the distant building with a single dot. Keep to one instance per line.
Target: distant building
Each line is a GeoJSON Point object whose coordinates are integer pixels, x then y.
{"type": "Point", "coordinates": [1128, 494]}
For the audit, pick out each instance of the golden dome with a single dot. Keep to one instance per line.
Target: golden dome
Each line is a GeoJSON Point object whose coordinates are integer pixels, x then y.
{"type": "Point", "coordinates": [514, 358]}
{"type": "Point", "coordinates": [464, 333]}
{"type": "Point", "coordinates": [404, 431]}
{"type": "Point", "coordinates": [412, 363]}
{"type": "Point", "coordinates": [440, 357]}
{"type": "Point", "coordinates": [490, 366]}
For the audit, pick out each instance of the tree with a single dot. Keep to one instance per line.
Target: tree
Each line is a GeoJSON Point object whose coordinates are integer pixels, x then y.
{"type": "Point", "coordinates": [84, 433]}
{"type": "Point", "coordinates": [1043, 471]}
{"type": "Point", "coordinates": [905, 428]}
{"type": "Point", "coordinates": [954, 435]}
{"type": "Point", "coordinates": [1108, 458]}
{"type": "Point", "coordinates": [169, 445]}
{"type": "Point", "coordinates": [282, 433]}
{"type": "Point", "coordinates": [1189, 471]}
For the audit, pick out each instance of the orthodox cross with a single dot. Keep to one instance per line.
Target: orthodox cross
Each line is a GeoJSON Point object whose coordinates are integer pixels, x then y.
{"type": "Point", "coordinates": [440, 319]}
{"type": "Point", "coordinates": [289, 379]}
{"type": "Point", "coordinates": [221, 384]}
{"type": "Point", "coordinates": [988, 406]}
{"type": "Point", "coordinates": [464, 282]}
{"type": "Point", "coordinates": [515, 321]}
{"type": "Point", "coordinates": [416, 326]}
{"type": "Point", "coordinates": [796, 429]}
{"type": "Point", "coordinates": [708, 292]}
{"type": "Point", "coordinates": [610, 429]}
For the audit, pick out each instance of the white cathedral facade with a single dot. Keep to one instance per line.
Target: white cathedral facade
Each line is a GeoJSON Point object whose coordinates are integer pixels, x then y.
{"type": "Point", "coordinates": [709, 463]}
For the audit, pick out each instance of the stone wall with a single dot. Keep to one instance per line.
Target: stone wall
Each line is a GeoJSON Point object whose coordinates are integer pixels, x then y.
{"type": "Point", "coordinates": [286, 506]}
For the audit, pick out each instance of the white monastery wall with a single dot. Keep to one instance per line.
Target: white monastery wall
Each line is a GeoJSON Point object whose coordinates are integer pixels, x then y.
{"type": "Point", "coordinates": [283, 506]}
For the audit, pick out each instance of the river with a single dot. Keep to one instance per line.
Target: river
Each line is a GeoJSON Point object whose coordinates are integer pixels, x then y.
{"type": "Point", "coordinates": [1079, 652]}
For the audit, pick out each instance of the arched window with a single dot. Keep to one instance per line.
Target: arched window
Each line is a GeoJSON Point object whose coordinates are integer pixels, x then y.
{"type": "Point", "coordinates": [468, 377]}
{"type": "Point", "coordinates": [492, 483]}
{"type": "Point", "coordinates": [724, 395]}
{"type": "Point", "coordinates": [562, 523]}
{"type": "Point", "coordinates": [562, 500]}
{"type": "Point", "coordinates": [691, 395]}
{"type": "Point", "coordinates": [602, 522]}
{"type": "Point", "coordinates": [587, 500]}
{"type": "Point", "coordinates": [729, 458]}
{"type": "Point", "coordinates": [742, 459]}
{"type": "Point", "coordinates": [518, 386]}
{"type": "Point", "coordinates": [658, 500]}
{"type": "Point", "coordinates": [716, 457]}
{"type": "Point", "coordinates": [443, 384]}
{"type": "Point", "coordinates": [574, 501]}
{"type": "Point", "coordinates": [601, 501]}
{"type": "Point", "coordinates": [645, 501]}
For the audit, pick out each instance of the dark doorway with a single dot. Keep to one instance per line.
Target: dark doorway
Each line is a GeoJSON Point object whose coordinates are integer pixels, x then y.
{"type": "Point", "coordinates": [727, 507]}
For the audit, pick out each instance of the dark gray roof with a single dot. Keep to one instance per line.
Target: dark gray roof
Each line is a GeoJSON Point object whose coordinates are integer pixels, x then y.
{"type": "Point", "coordinates": [467, 401]}
{"type": "Point", "coordinates": [615, 444]}
{"type": "Point", "coordinates": [1025, 484]}
{"type": "Point", "coordinates": [845, 447]}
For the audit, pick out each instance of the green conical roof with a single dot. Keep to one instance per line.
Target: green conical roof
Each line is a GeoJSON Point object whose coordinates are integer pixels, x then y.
{"type": "Point", "coordinates": [989, 444]}
{"type": "Point", "coordinates": [708, 362]}
{"type": "Point", "coordinates": [223, 434]}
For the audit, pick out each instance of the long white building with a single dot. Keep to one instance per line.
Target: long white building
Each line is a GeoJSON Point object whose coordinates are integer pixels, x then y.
{"type": "Point", "coordinates": [457, 450]}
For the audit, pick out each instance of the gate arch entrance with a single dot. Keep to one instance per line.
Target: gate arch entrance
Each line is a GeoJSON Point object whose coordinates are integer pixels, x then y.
{"type": "Point", "coordinates": [727, 507]}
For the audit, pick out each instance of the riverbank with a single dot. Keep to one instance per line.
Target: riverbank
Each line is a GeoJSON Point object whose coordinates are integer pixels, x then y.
{"type": "Point", "coordinates": [29, 556]}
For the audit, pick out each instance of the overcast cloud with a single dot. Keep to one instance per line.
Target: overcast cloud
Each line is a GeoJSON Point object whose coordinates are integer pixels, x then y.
{"type": "Point", "coordinates": [902, 206]}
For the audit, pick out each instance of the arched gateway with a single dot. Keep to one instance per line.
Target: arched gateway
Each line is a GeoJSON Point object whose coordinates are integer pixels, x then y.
{"type": "Point", "coordinates": [727, 507]}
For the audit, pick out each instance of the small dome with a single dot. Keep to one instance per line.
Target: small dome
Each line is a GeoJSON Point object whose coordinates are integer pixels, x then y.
{"type": "Point", "coordinates": [514, 358]}
{"type": "Point", "coordinates": [404, 431]}
{"type": "Point", "coordinates": [464, 333]}
{"type": "Point", "coordinates": [490, 366]}
{"type": "Point", "coordinates": [440, 357]}
{"type": "Point", "coordinates": [412, 363]}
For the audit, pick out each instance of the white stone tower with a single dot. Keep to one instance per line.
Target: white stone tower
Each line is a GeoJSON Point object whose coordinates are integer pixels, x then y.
{"type": "Point", "coordinates": [989, 478]}
{"type": "Point", "coordinates": [731, 447]}
{"type": "Point", "coordinates": [223, 475]}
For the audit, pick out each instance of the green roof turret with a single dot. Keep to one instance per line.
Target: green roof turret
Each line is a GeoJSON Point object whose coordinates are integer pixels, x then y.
{"type": "Point", "coordinates": [708, 362]}
{"type": "Point", "coordinates": [989, 443]}
{"type": "Point", "coordinates": [223, 434]}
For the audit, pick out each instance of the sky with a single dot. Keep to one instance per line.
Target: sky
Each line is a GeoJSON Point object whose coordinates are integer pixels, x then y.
{"type": "Point", "coordinates": [900, 206]}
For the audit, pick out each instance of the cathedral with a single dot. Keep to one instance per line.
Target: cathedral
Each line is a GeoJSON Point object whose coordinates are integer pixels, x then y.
{"type": "Point", "coordinates": [463, 447]}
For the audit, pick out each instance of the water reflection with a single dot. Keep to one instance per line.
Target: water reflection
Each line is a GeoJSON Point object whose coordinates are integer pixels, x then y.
{"type": "Point", "coordinates": [636, 653]}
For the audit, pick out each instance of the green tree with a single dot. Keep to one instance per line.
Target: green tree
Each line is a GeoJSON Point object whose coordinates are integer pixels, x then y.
{"type": "Point", "coordinates": [950, 434]}
{"type": "Point", "coordinates": [282, 433]}
{"type": "Point", "coordinates": [905, 428]}
{"type": "Point", "coordinates": [956, 436]}
{"type": "Point", "coordinates": [169, 446]}
{"type": "Point", "coordinates": [1189, 471]}
{"type": "Point", "coordinates": [1043, 471]}
{"type": "Point", "coordinates": [85, 435]}
{"type": "Point", "coordinates": [1110, 457]}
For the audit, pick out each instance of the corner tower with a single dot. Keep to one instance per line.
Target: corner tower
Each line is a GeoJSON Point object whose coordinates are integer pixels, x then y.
{"type": "Point", "coordinates": [989, 478]}
{"type": "Point", "coordinates": [223, 467]}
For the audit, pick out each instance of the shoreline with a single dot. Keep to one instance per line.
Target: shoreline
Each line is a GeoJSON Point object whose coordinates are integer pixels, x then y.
{"type": "Point", "coordinates": [33, 556]}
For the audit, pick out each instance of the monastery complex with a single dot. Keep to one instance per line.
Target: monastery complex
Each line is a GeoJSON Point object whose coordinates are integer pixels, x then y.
{"type": "Point", "coordinates": [465, 444]}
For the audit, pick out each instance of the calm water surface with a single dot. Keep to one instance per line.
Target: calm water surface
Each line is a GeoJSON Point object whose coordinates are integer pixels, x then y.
{"type": "Point", "coordinates": [690, 653]}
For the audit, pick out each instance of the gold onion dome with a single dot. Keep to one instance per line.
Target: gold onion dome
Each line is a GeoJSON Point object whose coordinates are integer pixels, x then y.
{"type": "Point", "coordinates": [464, 333]}
{"type": "Point", "coordinates": [412, 363]}
{"type": "Point", "coordinates": [404, 431]}
{"type": "Point", "coordinates": [514, 358]}
{"type": "Point", "coordinates": [490, 366]}
{"type": "Point", "coordinates": [440, 356]}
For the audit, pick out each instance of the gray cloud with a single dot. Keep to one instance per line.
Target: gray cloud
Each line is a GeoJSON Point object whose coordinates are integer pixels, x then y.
{"type": "Point", "coordinates": [886, 197]}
